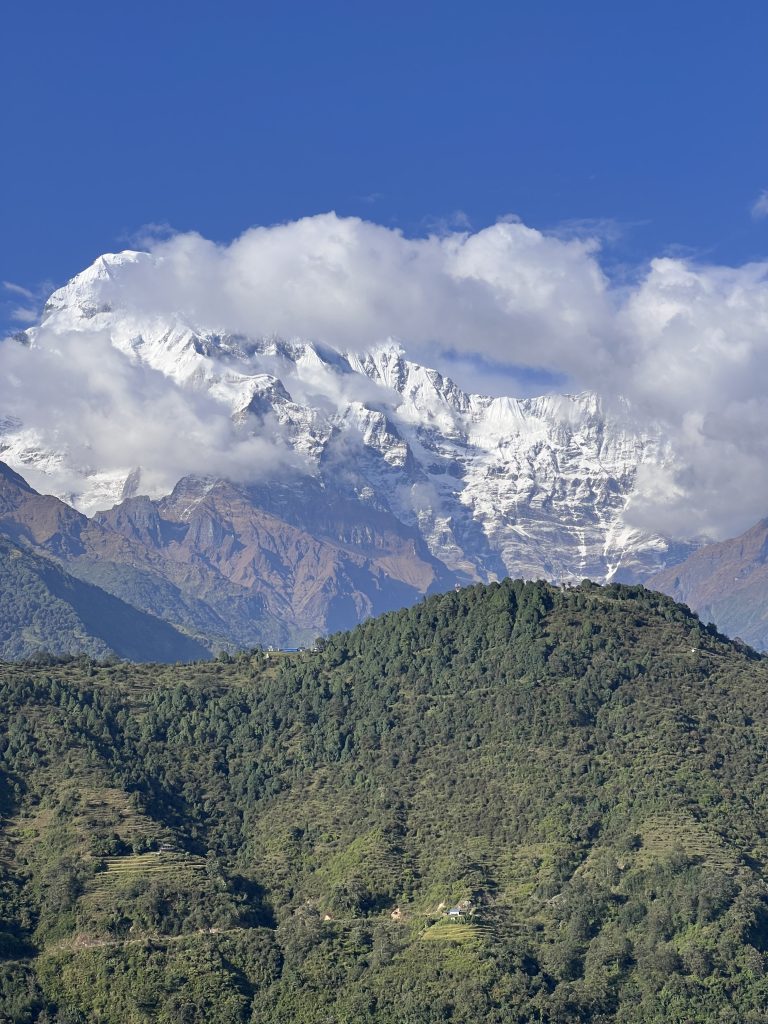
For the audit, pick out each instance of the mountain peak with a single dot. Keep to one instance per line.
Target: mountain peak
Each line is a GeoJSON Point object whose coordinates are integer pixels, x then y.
{"type": "Point", "coordinates": [492, 485]}
{"type": "Point", "coordinates": [92, 291]}
{"type": "Point", "coordinates": [9, 476]}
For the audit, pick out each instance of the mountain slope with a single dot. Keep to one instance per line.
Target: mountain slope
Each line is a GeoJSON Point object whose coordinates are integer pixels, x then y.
{"type": "Point", "coordinates": [491, 486]}
{"type": "Point", "coordinates": [726, 582]}
{"type": "Point", "coordinates": [579, 772]}
{"type": "Point", "coordinates": [234, 566]}
{"type": "Point", "coordinates": [44, 609]}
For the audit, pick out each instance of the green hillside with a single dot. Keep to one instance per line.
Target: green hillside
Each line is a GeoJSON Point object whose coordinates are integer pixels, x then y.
{"type": "Point", "coordinates": [582, 773]}
{"type": "Point", "coordinates": [43, 608]}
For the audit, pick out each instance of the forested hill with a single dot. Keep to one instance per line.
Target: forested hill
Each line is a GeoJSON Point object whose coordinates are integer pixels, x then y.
{"type": "Point", "coordinates": [42, 607]}
{"type": "Point", "coordinates": [580, 773]}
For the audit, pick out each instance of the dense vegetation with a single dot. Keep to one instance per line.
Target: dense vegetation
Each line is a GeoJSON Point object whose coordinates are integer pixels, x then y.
{"type": "Point", "coordinates": [277, 839]}
{"type": "Point", "coordinates": [42, 607]}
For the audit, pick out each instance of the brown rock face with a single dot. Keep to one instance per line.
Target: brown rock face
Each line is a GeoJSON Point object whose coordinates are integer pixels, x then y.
{"type": "Point", "coordinates": [38, 519]}
{"type": "Point", "coordinates": [726, 583]}
{"type": "Point", "coordinates": [316, 575]}
{"type": "Point", "coordinates": [235, 566]}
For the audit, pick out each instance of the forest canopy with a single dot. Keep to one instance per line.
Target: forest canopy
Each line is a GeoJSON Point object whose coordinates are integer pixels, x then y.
{"type": "Point", "coordinates": [512, 803]}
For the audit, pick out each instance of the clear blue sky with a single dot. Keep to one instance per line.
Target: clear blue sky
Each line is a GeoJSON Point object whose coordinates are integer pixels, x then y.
{"type": "Point", "coordinates": [218, 116]}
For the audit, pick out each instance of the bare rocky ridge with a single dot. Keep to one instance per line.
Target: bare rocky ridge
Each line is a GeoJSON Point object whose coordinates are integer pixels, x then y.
{"type": "Point", "coordinates": [45, 608]}
{"type": "Point", "coordinates": [726, 583]}
{"type": "Point", "coordinates": [211, 561]}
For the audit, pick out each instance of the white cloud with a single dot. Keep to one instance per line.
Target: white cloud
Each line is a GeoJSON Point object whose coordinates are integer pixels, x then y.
{"type": "Point", "coordinates": [24, 315]}
{"type": "Point", "coordinates": [149, 234]}
{"type": "Point", "coordinates": [760, 205]}
{"type": "Point", "coordinates": [18, 289]}
{"type": "Point", "coordinates": [508, 292]}
{"type": "Point", "coordinates": [693, 351]}
{"type": "Point", "coordinates": [458, 220]}
{"type": "Point", "coordinates": [685, 341]}
{"type": "Point", "coordinates": [106, 411]}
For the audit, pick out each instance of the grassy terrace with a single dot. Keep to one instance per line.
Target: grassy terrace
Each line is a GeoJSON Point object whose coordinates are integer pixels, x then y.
{"type": "Point", "coordinates": [123, 872]}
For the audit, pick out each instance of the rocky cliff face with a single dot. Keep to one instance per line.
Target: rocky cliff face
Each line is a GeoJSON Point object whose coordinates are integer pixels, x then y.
{"type": "Point", "coordinates": [45, 608]}
{"type": "Point", "coordinates": [379, 467]}
{"type": "Point", "coordinates": [726, 583]}
{"type": "Point", "coordinates": [231, 573]}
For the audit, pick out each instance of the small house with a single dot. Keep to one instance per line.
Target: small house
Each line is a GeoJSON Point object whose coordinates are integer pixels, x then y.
{"type": "Point", "coordinates": [455, 912]}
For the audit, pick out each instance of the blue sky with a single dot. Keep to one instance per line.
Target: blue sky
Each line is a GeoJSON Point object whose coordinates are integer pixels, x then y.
{"type": "Point", "coordinates": [649, 117]}
{"type": "Point", "coordinates": [641, 123]}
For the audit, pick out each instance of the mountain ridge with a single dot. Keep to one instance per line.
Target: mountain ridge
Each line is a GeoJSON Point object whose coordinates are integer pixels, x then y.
{"type": "Point", "coordinates": [538, 487]}
{"type": "Point", "coordinates": [727, 582]}
{"type": "Point", "coordinates": [211, 560]}
{"type": "Point", "coordinates": [45, 610]}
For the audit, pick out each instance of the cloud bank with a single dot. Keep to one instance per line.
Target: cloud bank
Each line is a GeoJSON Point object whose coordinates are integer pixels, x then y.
{"type": "Point", "coordinates": [105, 411]}
{"type": "Point", "coordinates": [686, 342]}
{"type": "Point", "coordinates": [509, 293]}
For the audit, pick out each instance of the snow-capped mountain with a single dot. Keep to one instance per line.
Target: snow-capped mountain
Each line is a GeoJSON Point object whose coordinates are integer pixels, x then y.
{"type": "Point", "coordinates": [493, 486]}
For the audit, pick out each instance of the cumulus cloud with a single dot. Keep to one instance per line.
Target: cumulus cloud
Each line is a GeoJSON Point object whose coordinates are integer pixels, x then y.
{"type": "Point", "coordinates": [509, 292]}
{"type": "Point", "coordinates": [693, 351]}
{"type": "Point", "coordinates": [507, 306]}
{"type": "Point", "coordinates": [103, 410]}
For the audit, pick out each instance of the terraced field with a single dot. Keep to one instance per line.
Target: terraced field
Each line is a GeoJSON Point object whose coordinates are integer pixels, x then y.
{"type": "Point", "coordinates": [455, 931]}
{"type": "Point", "coordinates": [178, 869]}
{"type": "Point", "coordinates": [662, 834]}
